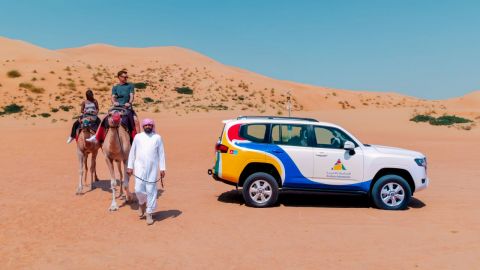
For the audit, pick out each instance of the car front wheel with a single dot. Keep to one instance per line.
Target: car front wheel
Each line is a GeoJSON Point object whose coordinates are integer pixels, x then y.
{"type": "Point", "coordinates": [391, 192]}
{"type": "Point", "coordinates": [260, 190]}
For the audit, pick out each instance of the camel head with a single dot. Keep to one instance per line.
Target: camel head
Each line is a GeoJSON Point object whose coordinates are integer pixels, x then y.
{"type": "Point", "coordinates": [115, 119]}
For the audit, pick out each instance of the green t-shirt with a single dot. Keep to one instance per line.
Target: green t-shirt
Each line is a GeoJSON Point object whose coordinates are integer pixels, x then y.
{"type": "Point", "coordinates": [122, 92]}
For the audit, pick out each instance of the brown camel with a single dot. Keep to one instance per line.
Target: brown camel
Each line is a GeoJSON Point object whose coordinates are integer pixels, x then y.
{"type": "Point", "coordinates": [85, 148]}
{"type": "Point", "coordinates": [116, 147]}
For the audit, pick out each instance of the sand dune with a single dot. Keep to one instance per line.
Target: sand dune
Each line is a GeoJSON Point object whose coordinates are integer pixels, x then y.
{"type": "Point", "coordinates": [470, 101]}
{"type": "Point", "coordinates": [65, 75]}
{"type": "Point", "coordinates": [107, 54]}
{"type": "Point", "coordinates": [18, 50]}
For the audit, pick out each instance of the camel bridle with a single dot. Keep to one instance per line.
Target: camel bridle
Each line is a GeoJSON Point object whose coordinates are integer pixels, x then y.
{"type": "Point", "coordinates": [116, 128]}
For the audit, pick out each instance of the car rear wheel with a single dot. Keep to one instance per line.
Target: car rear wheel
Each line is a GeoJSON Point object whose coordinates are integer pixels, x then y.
{"type": "Point", "coordinates": [260, 190]}
{"type": "Point", "coordinates": [391, 192]}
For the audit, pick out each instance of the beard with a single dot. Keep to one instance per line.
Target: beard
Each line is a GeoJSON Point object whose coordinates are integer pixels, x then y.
{"type": "Point", "coordinates": [147, 130]}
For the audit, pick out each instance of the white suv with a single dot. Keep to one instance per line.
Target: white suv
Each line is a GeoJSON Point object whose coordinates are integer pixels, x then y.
{"type": "Point", "coordinates": [266, 154]}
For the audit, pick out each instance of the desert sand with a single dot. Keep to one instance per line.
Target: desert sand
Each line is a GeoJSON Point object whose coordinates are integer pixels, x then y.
{"type": "Point", "coordinates": [204, 224]}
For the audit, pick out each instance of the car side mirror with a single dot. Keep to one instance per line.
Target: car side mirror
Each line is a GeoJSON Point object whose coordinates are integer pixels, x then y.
{"type": "Point", "coordinates": [349, 145]}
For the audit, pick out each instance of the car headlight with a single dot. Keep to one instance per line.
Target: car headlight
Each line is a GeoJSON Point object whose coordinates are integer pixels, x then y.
{"type": "Point", "coordinates": [422, 162]}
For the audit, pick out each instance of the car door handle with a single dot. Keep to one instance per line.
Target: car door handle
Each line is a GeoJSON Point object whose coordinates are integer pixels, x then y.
{"type": "Point", "coordinates": [321, 154]}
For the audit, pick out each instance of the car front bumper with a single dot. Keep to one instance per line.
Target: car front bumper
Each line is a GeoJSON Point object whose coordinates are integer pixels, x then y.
{"type": "Point", "coordinates": [423, 184]}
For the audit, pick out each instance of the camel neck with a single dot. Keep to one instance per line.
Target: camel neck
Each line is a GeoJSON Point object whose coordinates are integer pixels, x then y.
{"type": "Point", "coordinates": [114, 142]}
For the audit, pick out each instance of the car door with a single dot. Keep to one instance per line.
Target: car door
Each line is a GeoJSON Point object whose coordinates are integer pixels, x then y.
{"type": "Point", "coordinates": [334, 165]}
{"type": "Point", "coordinates": [291, 146]}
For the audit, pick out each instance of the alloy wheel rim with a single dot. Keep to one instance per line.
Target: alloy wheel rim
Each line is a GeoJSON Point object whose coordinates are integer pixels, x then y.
{"type": "Point", "coordinates": [392, 194]}
{"type": "Point", "coordinates": [260, 191]}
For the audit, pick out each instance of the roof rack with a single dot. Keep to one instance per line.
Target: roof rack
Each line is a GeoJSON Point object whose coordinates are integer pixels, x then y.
{"type": "Point", "coordinates": [276, 118]}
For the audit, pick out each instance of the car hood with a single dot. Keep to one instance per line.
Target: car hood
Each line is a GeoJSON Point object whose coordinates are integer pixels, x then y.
{"type": "Point", "coordinates": [397, 151]}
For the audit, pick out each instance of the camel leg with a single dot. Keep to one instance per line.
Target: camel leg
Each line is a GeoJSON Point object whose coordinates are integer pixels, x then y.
{"type": "Point", "coordinates": [113, 183]}
{"type": "Point", "coordinates": [85, 174]}
{"type": "Point", "coordinates": [96, 176]}
{"type": "Point", "coordinates": [80, 156]}
{"type": "Point", "coordinates": [126, 180]}
{"type": "Point", "coordinates": [119, 167]}
{"type": "Point", "coordinates": [93, 169]}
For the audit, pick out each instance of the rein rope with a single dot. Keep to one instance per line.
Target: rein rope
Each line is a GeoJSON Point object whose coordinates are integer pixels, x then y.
{"type": "Point", "coordinates": [143, 180]}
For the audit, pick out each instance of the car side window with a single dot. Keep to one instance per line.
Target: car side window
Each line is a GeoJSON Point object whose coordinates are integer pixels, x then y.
{"type": "Point", "coordinates": [254, 132]}
{"type": "Point", "coordinates": [294, 135]}
{"type": "Point", "coordinates": [329, 137]}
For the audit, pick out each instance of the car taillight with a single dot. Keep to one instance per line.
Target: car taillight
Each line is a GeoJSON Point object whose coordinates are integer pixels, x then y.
{"type": "Point", "coordinates": [221, 148]}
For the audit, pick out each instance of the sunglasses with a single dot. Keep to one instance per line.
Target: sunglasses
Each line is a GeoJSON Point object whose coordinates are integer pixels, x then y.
{"type": "Point", "coordinates": [148, 125]}
{"type": "Point", "coordinates": [125, 77]}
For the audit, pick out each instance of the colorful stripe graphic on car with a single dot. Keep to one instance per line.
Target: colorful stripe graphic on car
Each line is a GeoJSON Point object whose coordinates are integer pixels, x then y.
{"type": "Point", "coordinates": [279, 158]}
{"type": "Point", "coordinates": [293, 177]}
{"type": "Point", "coordinates": [218, 166]}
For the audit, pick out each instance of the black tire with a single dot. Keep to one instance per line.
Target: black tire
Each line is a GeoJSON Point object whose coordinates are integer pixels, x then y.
{"type": "Point", "coordinates": [268, 186]}
{"type": "Point", "coordinates": [385, 200]}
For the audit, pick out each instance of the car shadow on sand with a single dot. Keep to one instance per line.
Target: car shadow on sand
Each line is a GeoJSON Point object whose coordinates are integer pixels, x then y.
{"type": "Point", "coordinates": [314, 199]}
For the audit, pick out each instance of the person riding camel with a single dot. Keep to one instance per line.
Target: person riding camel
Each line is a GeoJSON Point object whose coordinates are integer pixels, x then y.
{"type": "Point", "coordinates": [122, 96]}
{"type": "Point", "coordinates": [88, 107]}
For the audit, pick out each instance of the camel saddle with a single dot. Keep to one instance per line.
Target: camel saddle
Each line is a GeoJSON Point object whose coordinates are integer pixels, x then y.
{"type": "Point", "coordinates": [88, 121]}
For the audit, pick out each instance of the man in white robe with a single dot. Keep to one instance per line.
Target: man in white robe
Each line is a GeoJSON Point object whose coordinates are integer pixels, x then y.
{"type": "Point", "coordinates": [146, 162]}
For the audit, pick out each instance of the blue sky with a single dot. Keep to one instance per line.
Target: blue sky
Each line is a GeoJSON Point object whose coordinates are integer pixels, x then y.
{"type": "Point", "coordinates": [424, 48]}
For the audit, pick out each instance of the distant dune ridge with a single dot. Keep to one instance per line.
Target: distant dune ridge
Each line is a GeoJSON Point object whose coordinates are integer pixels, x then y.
{"type": "Point", "coordinates": [65, 74]}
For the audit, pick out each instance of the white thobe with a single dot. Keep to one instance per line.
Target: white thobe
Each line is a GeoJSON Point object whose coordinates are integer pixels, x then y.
{"type": "Point", "coordinates": [146, 157]}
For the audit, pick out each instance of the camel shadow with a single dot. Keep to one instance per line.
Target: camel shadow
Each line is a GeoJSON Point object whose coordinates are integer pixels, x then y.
{"type": "Point", "coordinates": [104, 185]}
{"type": "Point", "coordinates": [315, 199]}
